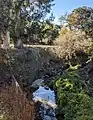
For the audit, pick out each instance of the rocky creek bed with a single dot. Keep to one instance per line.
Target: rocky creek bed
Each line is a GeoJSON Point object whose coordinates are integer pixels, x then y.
{"type": "Point", "coordinates": [45, 97]}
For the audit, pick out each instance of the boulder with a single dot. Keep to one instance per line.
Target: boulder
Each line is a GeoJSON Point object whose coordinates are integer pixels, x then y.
{"type": "Point", "coordinates": [37, 83]}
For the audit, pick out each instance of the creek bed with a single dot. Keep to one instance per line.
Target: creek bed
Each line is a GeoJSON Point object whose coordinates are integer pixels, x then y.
{"type": "Point", "coordinates": [46, 97]}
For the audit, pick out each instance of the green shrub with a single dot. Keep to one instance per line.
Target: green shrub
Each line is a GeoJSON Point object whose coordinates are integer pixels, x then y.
{"type": "Point", "coordinates": [72, 97]}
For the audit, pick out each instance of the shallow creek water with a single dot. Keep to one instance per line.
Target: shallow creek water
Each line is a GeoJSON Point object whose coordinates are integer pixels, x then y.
{"type": "Point", "coordinates": [46, 97]}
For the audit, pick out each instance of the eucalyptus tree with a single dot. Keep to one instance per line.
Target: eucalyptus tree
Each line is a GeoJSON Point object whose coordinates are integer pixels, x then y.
{"type": "Point", "coordinates": [20, 17]}
{"type": "Point", "coordinates": [5, 14]}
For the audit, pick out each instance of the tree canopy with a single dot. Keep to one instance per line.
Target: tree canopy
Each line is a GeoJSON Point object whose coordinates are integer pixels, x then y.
{"type": "Point", "coordinates": [82, 18]}
{"type": "Point", "coordinates": [27, 19]}
{"type": "Point", "coordinates": [79, 19]}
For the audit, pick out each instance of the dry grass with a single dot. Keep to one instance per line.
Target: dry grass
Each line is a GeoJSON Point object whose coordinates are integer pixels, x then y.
{"type": "Point", "coordinates": [14, 105]}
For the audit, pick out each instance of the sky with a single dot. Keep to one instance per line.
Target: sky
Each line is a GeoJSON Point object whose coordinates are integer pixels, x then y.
{"type": "Point", "coordinates": [66, 6]}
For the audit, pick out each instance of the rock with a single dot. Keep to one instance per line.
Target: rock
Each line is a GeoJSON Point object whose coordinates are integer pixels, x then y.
{"type": "Point", "coordinates": [51, 113]}
{"type": "Point", "coordinates": [34, 88]}
{"type": "Point", "coordinates": [65, 66]}
{"type": "Point", "coordinates": [47, 88]}
{"type": "Point", "coordinates": [45, 107]}
{"type": "Point", "coordinates": [53, 118]}
{"type": "Point", "coordinates": [46, 117]}
{"type": "Point", "coordinates": [37, 83]}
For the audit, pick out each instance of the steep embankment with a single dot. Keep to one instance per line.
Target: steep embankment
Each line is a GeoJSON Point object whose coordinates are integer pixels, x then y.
{"type": "Point", "coordinates": [37, 61]}
{"type": "Point", "coordinates": [13, 102]}
{"type": "Point", "coordinates": [26, 65]}
{"type": "Point", "coordinates": [31, 63]}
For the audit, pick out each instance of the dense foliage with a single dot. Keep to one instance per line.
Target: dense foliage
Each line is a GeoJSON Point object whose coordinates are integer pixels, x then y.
{"type": "Point", "coordinates": [72, 97]}
{"type": "Point", "coordinates": [80, 18]}
{"type": "Point", "coordinates": [27, 20]}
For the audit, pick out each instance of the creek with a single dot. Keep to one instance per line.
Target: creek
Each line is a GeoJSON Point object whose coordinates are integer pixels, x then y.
{"type": "Point", "coordinates": [46, 97]}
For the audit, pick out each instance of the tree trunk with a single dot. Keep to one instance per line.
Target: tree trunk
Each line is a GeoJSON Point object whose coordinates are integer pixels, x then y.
{"type": "Point", "coordinates": [19, 44]}
{"type": "Point", "coordinates": [6, 39]}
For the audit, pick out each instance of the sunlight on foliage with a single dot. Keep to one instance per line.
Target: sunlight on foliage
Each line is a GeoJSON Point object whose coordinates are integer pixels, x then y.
{"type": "Point", "coordinates": [72, 97]}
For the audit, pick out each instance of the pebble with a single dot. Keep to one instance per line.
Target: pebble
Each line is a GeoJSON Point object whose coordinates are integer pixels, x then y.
{"type": "Point", "coordinates": [46, 117]}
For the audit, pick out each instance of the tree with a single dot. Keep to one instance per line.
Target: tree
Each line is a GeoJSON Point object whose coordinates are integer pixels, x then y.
{"type": "Point", "coordinates": [81, 19]}
{"type": "Point", "coordinates": [63, 19]}
{"type": "Point", "coordinates": [17, 17]}
{"type": "Point", "coordinates": [50, 32]}
{"type": "Point", "coordinates": [29, 16]}
{"type": "Point", "coordinates": [5, 7]}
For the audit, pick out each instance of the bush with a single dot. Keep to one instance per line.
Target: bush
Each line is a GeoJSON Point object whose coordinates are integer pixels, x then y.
{"type": "Point", "coordinates": [72, 97]}
{"type": "Point", "coordinates": [73, 41]}
{"type": "Point", "coordinates": [73, 45]}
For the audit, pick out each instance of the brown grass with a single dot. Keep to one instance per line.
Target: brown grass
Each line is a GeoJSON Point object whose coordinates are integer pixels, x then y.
{"type": "Point", "coordinates": [14, 104]}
